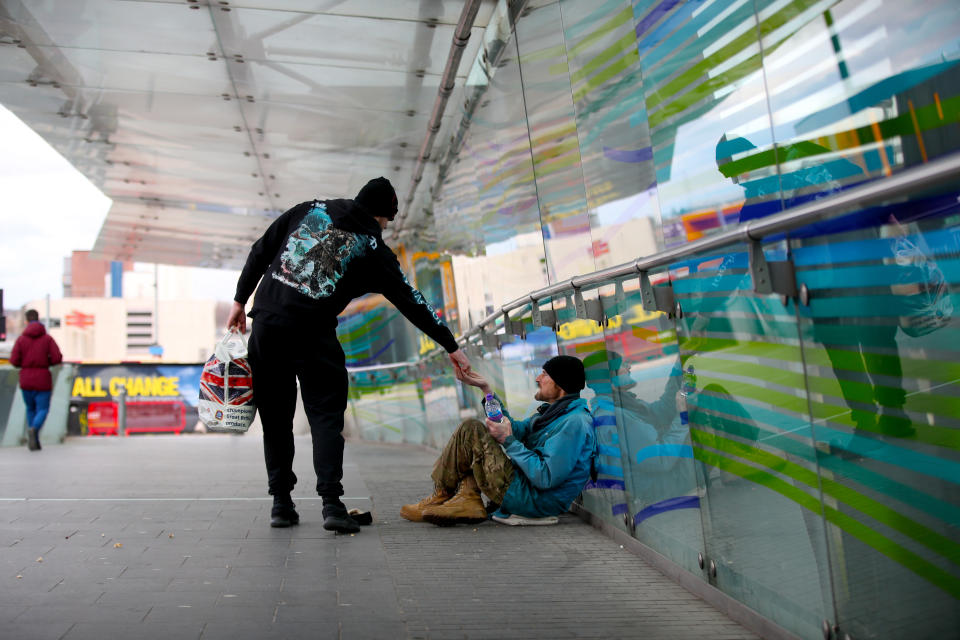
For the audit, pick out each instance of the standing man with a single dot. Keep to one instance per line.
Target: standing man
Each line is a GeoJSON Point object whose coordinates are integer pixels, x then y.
{"type": "Point", "coordinates": [314, 259]}
{"type": "Point", "coordinates": [34, 353]}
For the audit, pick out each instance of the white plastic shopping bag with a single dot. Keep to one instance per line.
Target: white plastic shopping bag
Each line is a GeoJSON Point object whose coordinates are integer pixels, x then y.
{"type": "Point", "coordinates": [226, 387]}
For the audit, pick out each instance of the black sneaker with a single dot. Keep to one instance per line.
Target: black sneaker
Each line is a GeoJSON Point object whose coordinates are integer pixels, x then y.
{"type": "Point", "coordinates": [284, 513]}
{"type": "Point", "coordinates": [336, 518]}
{"type": "Point", "coordinates": [362, 518]}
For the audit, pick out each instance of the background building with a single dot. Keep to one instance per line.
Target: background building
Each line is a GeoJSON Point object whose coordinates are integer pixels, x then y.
{"type": "Point", "coordinates": [122, 329]}
{"type": "Point", "coordinates": [88, 277]}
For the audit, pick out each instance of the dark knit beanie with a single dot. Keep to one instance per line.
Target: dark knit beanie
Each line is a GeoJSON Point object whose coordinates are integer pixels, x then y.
{"type": "Point", "coordinates": [567, 372]}
{"type": "Point", "coordinates": [378, 198]}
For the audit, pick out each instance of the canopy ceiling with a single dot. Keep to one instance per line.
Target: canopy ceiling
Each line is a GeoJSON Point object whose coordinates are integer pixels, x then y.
{"type": "Point", "coordinates": [204, 119]}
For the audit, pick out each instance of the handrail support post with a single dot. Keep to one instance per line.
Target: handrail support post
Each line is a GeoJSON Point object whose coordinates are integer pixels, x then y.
{"type": "Point", "coordinates": [778, 276]}
{"type": "Point", "coordinates": [759, 268]}
{"type": "Point", "coordinates": [619, 298]}
{"type": "Point", "coordinates": [656, 298]}
{"type": "Point", "coordinates": [514, 327]}
{"type": "Point", "coordinates": [647, 299]}
{"type": "Point", "coordinates": [578, 303]}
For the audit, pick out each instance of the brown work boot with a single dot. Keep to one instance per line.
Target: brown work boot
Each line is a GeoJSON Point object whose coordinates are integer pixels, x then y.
{"type": "Point", "coordinates": [414, 512]}
{"type": "Point", "coordinates": [466, 507]}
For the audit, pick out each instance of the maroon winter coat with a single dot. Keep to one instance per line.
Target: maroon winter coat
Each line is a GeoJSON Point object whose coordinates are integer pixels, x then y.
{"type": "Point", "coordinates": [34, 352]}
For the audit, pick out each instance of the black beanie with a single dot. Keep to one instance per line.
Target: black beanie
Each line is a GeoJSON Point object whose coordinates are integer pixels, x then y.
{"type": "Point", "coordinates": [567, 372]}
{"type": "Point", "coordinates": [378, 198]}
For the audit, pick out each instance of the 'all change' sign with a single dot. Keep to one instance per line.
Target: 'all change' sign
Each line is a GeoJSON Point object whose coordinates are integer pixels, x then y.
{"type": "Point", "coordinates": [145, 386]}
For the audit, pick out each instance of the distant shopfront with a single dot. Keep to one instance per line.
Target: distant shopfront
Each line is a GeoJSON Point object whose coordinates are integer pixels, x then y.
{"type": "Point", "coordinates": [159, 398]}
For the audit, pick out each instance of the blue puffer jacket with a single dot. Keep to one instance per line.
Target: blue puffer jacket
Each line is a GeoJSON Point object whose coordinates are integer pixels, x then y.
{"type": "Point", "coordinates": [552, 464]}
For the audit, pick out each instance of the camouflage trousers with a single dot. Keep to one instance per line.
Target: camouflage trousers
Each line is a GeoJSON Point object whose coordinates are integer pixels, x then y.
{"type": "Point", "coordinates": [472, 450]}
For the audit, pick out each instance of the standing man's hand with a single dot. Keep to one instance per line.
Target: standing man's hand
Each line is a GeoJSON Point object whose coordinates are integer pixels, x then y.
{"type": "Point", "coordinates": [460, 361]}
{"type": "Point", "coordinates": [237, 318]}
{"type": "Point", "coordinates": [500, 430]}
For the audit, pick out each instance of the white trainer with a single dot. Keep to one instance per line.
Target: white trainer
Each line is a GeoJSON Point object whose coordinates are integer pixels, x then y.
{"type": "Point", "coordinates": [514, 520]}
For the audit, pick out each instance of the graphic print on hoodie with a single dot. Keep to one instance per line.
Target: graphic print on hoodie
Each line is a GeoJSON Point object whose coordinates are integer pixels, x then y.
{"type": "Point", "coordinates": [317, 254]}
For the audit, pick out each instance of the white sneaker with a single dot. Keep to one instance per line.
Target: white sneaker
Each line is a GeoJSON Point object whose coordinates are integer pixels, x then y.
{"type": "Point", "coordinates": [515, 520]}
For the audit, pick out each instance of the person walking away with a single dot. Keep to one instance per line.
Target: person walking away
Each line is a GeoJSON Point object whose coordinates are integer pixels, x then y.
{"type": "Point", "coordinates": [313, 260]}
{"type": "Point", "coordinates": [34, 352]}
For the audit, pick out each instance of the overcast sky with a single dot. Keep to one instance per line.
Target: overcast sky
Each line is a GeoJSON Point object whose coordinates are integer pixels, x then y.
{"type": "Point", "coordinates": [47, 210]}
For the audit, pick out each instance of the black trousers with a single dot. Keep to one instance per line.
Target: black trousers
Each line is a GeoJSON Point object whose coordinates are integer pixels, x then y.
{"type": "Point", "coordinates": [279, 356]}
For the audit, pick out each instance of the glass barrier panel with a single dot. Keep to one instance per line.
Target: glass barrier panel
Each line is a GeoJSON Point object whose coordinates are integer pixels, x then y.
{"type": "Point", "coordinates": [441, 399]}
{"type": "Point", "coordinates": [523, 361]}
{"type": "Point", "coordinates": [408, 406]}
{"type": "Point", "coordinates": [644, 436]}
{"type": "Point", "coordinates": [372, 331]}
{"type": "Point", "coordinates": [618, 174]}
{"type": "Point", "coordinates": [366, 395]}
{"type": "Point", "coordinates": [550, 119]}
{"type": "Point", "coordinates": [705, 106]}
{"type": "Point", "coordinates": [858, 91]}
{"type": "Point", "coordinates": [486, 213]}
{"type": "Point", "coordinates": [9, 387]}
{"type": "Point", "coordinates": [487, 360]}
{"type": "Point", "coordinates": [880, 341]}
{"type": "Point", "coordinates": [363, 407]}
{"type": "Point", "coordinates": [745, 393]}
{"type": "Point", "coordinates": [605, 496]}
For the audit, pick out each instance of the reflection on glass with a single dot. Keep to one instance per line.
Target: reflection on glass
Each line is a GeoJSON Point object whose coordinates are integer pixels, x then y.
{"type": "Point", "coordinates": [871, 104]}
{"type": "Point", "coordinates": [703, 80]}
{"type": "Point", "coordinates": [750, 433]}
{"type": "Point", "coordinates": [657, 436]}
{"type": "Point", "coordinates": [615, 148]}
{"type": "Point", "coordinates": [877, 332]}
{"type": "Point", "coordinates": [554, 148]}
{"type": "Point", "coordinates": [486, 214]}
{"type": "Point", "coordinates": [815, 441]}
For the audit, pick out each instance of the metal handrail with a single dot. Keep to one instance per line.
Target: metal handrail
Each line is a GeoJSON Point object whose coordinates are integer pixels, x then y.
{"type": "Point", "coordinates": [461, 36]}
{"type": "Point", "coordinates": [913, 179]}
{"type": "Point", "coordinates": [380, 367]}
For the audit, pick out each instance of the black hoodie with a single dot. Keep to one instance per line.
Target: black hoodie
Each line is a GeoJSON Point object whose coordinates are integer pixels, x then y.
{"type": "Point", "coordinates": [317, 257]}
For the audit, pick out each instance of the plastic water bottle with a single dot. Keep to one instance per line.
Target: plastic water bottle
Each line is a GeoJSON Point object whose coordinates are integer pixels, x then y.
{"type": "Point", "coordinates": [688, 385]}
{"type": "Point", "coordinates": [492, 408]}
{"type": "Point", "coordinates": [682, 407]}
{"type": "Point", "coordinates": [689, 380]}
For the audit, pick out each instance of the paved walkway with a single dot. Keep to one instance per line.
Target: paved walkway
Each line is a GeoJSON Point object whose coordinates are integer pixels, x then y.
{"type": "Point", "coordinates": [168, 537]}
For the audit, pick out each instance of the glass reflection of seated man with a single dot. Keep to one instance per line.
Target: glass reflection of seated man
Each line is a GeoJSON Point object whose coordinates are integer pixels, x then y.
{"type": "Point", "coordinates": [861, 353]}
{"type": "Point", "coordinates": [656, 437]}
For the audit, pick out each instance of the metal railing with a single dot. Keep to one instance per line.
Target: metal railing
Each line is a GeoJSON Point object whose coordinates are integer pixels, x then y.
{"type": "Point", "coordinates": [380, 367]}
{"type": "Point", "coordinates": [461, 36]}
{"type": "Point", "coordinates": [901, 184]}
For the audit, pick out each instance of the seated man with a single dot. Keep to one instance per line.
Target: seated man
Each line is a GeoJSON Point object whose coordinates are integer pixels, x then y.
{"type": "Point", "coordinates": [531, 468]}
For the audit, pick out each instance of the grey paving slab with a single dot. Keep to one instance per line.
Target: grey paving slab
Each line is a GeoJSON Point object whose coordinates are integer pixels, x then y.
{"type": "Point", "coordinates": [168, 537]}
{"type": "Point", "coordinates": [142, 631]}
{"type": "Point", "coordinates": [36, 631]}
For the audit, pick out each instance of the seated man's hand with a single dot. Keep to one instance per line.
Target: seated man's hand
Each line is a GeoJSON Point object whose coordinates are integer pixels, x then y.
{"type": "Point", "coordinates": [500, 430]}
{"type": "Point", "coordinates": [473, 378]}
